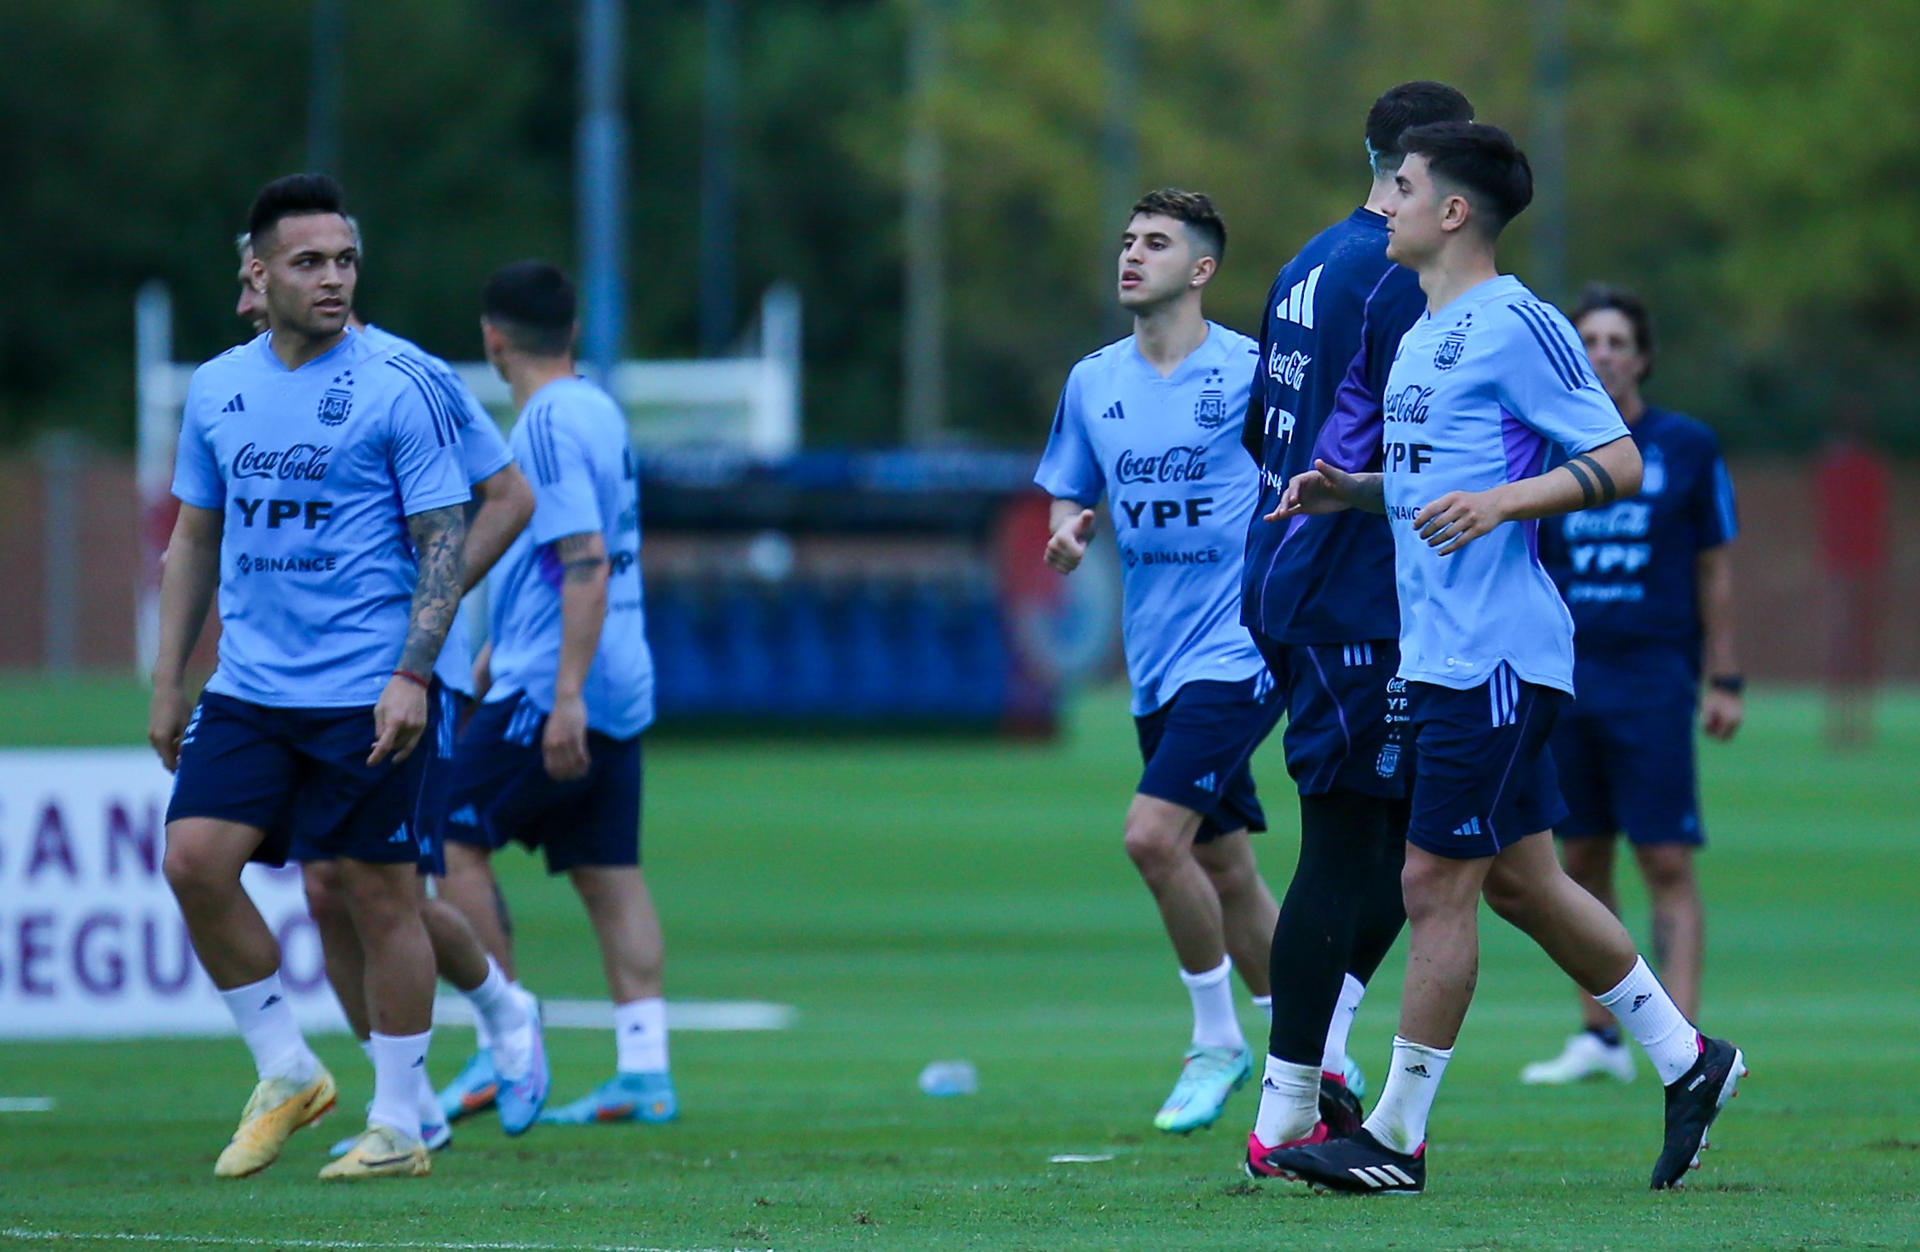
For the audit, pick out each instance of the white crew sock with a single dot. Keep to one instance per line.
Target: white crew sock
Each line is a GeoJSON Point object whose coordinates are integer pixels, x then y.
{"type": "Point", "coordinates": [640, 1036]}
{"type": "Point", "coordinates": [1265, 1005]}
{"type": "Point", "coordinates": [1399, 1121]}
{"type": "Point", "coordinates": [429, 1102]}
{"type": "Point", "coordinates": [1645, 1011]}
{"type": "Point", "coordinates": [265, 1019]}
{"type": "Point", "coordinates": [1334, 1059]}
{"type": "Point", "coordinates": [398, 1063]}
{"type": "Point", "coordinates": [1289, 1102]}
{"type": "Point", "coordinates": [498, 1008]}
{"type": "Point", "coordinates": [1214, 1022]}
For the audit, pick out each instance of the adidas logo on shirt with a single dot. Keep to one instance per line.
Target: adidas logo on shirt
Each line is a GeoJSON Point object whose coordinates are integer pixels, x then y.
{"type": "Point", "coordinates": [1297, 306]}
{"type": "Point", "coordinates": [1468, 829]}
{"type": "Point", "coordinates": [1114, 413]}
{"type": "Point", "coordinates": [235, 405]}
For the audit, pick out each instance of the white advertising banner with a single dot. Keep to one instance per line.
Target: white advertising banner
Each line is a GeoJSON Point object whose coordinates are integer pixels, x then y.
{"type": "Point", "coordinates": [91, 942]}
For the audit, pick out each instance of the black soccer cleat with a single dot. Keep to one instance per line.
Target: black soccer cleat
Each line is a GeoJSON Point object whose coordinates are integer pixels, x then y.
{"type": "Point", "coordinates": [1339, 1108]}
{"type": "Point", "coordinates": [1693, 1101]}
{"type": "Point", "coordinates": [1359, 1165]}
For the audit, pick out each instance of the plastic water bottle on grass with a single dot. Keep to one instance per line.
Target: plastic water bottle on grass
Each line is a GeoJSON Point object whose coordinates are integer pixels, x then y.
{"type": "Point", "coordinates": [949, 1078]}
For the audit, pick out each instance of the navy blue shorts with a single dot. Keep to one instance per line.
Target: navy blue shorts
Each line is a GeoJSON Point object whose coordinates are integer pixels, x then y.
{"type": "Point", "coordinates": [502, 793]}
{"type": "Point", "coordinates": [455, 707]}
{"type": "Point", "coordinates": [1344, 726]}
{"type": "Point", "coordinates": [1198, 747]}
{"type": "Point", "coordinates": [301, 777]}
{"type": "Point", "coordinates": [1631, 770]}
{"type": "Point", "coordinates": [1483, 775]}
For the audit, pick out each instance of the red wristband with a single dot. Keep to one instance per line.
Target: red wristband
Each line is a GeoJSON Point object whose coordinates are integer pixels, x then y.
{"type": "Point", "coordinates": [411, 677]}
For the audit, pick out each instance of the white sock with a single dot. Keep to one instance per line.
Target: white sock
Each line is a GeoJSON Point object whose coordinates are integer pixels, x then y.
{"type": "Point", "coordinates": [1265, 1005]}
{"type": "Point", "coordinates": [497, 1007]}
{"type": "Point", "coordinates": [640, 1036]}
{"type": "Point", "coordinates": [1399, 1121]}
{"type": "Point", "coordinates": [513, 1049]}
{"type": "Point", "coordinates": [266, 1022]}
{"type": "Point", "coordinates": [1289, 1102]}
{"type": "Point", "coordinates": [429, 1102]}
{"type": "Point", "coordinates": [398, 1063]}
{"type": "Point", "coordinates": [1214, 1022]}
{"type": "Point", "coordinates": [1645, 1011]}
{"type": "Point", "coordinates": [1334, 1059]}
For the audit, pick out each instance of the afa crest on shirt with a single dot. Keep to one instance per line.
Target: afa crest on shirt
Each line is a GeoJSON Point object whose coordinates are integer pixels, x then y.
{"type": "Point", "coordinates": [1653, 473]}
{"type": "Point", "coordinates": [1448, 354]}
{"type": "Point", "coordinates": [1388, 762]}
{"type": "Point", "coordinates": [1210, 411]}
{"type": "Point", "coordinates": [337, 404]}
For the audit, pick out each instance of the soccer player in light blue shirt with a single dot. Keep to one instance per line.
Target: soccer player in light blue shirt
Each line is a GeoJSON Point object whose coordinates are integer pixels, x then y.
{"type": "Point", "coordinates": [552, 757]}
{"type": "Point", "coordinates": [322, 495]}
{"type": "Point", "coordinates": [505, 1015]}
{"type": "Point", "coordinates": [1152, 424]}
{"type": "Point", "coordinates": [1479, 389]}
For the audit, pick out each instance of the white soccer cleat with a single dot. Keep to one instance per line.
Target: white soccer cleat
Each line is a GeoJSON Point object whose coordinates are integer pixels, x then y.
{"type": "Point", "coordinates": [1585, 1056]}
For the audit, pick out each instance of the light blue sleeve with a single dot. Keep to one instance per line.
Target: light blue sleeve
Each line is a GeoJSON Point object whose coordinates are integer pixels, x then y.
{"type": "Point", "coordinates": [426, 467]}
{"type": "Point", "coordinates": [483, 449]}
{"type": "Point", "coordinates": [564, 500]}
{"type": "Point", "coordinates": [1068, 469]}
{"type": "Point", "coordinates": [1545, 382]}
{"type": "Point", "coordinates": [196, 470]}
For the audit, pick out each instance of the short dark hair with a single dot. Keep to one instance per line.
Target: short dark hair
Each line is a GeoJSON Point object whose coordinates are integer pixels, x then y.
{"type": "Point", "coordinates": [296, 195]}
{"type": "Point", "coordinates": [1600, 298]}
{"type": "Point", "coordinates": [534, 305]}
{"type": "Point", "coordinates": [1483, 160]}
{"type": "Point", "coordinates": [1400, 109]}
{"type": "Point", "coordinates": [1192, 208]}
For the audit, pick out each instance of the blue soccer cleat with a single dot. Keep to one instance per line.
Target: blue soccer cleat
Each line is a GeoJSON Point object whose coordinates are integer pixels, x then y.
{"type": "Point", "coordinates": [473, 1090]}
{"type": "Point", "coordinates": [626, 1097]}
{"type": "Point", "coordinates": [1207, 1077]}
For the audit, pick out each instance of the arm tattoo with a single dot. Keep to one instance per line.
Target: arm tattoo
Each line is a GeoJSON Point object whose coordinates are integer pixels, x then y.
{"type": "Point", "coordinates": [439, 535]}
{"type": "Point", "coordinates": [1608, 492]}
{"type": "Point", "coordinates": [581, 556]}
{"type": "Point", "coordinates": [1588, 494]}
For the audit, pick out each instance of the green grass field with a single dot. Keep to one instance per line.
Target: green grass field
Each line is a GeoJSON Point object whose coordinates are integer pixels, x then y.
{"type": "Point", "coordinates": [921, 899]}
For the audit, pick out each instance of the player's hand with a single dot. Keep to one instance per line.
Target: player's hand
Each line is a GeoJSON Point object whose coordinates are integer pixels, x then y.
{"type": "Point", "coordinates": [1457, 519]}
{"type": "Point", "coordinates": [1722, 713]}
{"type": "Point", "coordinates": [167, 715]}
{"type": "Point", "coordinates": [1068, 547]}
{"type": "Point", "coordinates": [1322, 489]}
{"type": "Point", "coordinates": [483, 671]}
{"type": "Point", "coordinates": [398, 720]}
{"type": "Point", "coordinates": [563, 746]}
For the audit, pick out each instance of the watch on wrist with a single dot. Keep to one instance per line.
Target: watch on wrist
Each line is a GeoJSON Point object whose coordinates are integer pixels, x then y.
{"type": "Point", "coordinates": [1732, 684]}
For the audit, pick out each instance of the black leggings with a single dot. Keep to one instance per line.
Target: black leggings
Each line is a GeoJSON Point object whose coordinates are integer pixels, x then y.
{"type": "Point", "coordinates": [1342, 913]}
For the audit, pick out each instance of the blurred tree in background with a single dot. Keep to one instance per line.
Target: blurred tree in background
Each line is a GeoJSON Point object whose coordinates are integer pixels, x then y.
{"type": "Point", "coordinates": [1748, 167]}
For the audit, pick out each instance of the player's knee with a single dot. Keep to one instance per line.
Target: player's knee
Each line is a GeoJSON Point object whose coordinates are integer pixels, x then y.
{"type": "Point", "coordinates": [1668, 869]}
{"type": "Point", "coordinates": [1153, 848]}
{"type": "Point", "coordinates": [326, 896]}
{"type": "Point", "coordinates": [196, 872]}
{"type": "Point", "coordinates": [1433, 886]}
{"type": "Point", "coordinates": [1588, 861]}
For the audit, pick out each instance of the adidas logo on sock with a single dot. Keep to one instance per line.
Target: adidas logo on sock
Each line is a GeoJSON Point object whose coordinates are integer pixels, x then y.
{"type": "Point", "coordinates": [271, 1001]}
{"type": "Point", "coordinates": [418, 1062]}
{"type": "Point", "coordinates": [1418, 1070]}
{"type": "Point", "coordinates": [1641, 999]}
{"type": "Point", "coordinates": [1268, 1084]}
{"type": "Point", "coordinates": [235, 405]}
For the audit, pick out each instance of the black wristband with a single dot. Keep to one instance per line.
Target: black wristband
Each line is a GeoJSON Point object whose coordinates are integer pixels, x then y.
{"type": "Point", "coordinates": [1732, 684]}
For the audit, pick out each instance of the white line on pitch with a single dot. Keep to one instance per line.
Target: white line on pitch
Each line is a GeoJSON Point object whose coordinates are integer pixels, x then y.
{"type": "Point", "coordinates": [60, 1236]}
{"type": "Point", "coordinates": [26, 1104]}
{"type": "Point", "coordinates": [453, 1010]}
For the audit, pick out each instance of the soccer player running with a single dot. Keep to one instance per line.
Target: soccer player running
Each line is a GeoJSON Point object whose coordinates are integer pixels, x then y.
{"type": "Point", "coordinates": [1650, 584]}
{"type": "Point", "coordinates": [552, 758]}
{"type": "Point", "coordinates": [322, 496]}
{"type": "Point", "coordinates": [1318, 597]}
{"type": "Point", "coordinates": [1147, 422]}
{"type": "Point", "coordinates": [1480, 388]}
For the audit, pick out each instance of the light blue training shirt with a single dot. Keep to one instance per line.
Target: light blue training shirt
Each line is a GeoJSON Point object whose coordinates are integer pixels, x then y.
{"type": "Point", "coordinates": [1478, 392]}
{"type": "Point", "coordinates": [483, 452]}
{"type": "Point", "coordinates": [315, 472]}
{"type": "Point", "coordinates": [1166, 453]}
{"type": "Point", "coordinates": [571, 441]}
